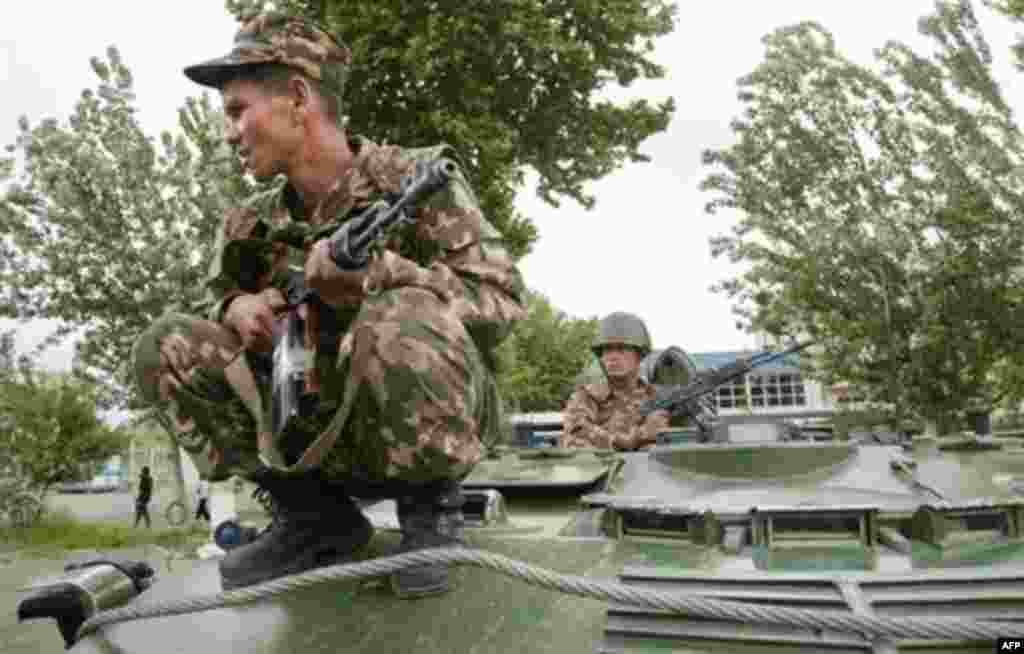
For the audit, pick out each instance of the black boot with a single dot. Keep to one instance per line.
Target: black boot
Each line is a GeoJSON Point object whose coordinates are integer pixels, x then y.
{"type": "Point", "coordinates": [313, 525]}
{"type": "Point", "coordinates": [430, 518]}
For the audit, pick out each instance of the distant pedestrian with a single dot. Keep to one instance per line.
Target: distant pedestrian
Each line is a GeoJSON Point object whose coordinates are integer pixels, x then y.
{"type": "Point", "coordinates": [143, 498]}
{"type": "Point", "coordinates": [203, 501]}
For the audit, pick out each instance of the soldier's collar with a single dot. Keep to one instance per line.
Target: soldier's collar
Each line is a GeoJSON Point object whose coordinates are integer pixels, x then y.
{"type": "Point", "coordinates": [598, 390]}
{"type": "Point", "coordinates": [353, 187]}
{"type": "Point", "coordinates": [601, 391]}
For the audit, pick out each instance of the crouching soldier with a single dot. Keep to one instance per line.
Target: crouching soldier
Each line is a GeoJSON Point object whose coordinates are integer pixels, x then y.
{"type": "Point", "coordinates": [402, 339]}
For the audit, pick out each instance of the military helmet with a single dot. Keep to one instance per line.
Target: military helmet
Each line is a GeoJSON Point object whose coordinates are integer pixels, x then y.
{"type": "Point", "coordinates": [621, 328]}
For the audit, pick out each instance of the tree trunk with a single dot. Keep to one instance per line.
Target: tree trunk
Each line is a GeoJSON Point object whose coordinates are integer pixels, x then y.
{"type": "Point", "coordinates": [179, 475]}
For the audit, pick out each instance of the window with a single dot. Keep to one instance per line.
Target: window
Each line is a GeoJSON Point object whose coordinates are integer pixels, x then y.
{"type": "Point", "coordinates": [776, 390]}
{"type": "Point", "coordinates": [732, 395]}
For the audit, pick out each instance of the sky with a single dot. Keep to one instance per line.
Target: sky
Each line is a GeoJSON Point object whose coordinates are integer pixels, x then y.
{"type": "Point", "coordinates": [643, 248]}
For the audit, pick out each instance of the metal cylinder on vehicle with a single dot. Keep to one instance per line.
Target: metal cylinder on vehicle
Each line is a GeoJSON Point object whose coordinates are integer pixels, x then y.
{"type": "Point", "coordinates": [84, 590]}
{"type": "Point", "coordinates": [668, 367]}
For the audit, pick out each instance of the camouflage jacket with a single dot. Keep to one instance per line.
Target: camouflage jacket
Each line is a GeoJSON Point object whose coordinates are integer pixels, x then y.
{"type": "Point", "coordinates": [450, 248]}
{"type": "Point", "coordinates": [598, 416]}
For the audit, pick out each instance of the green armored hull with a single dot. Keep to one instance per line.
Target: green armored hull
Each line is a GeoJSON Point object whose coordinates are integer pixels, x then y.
{"type": "Point", "coordinates": [835, 529]}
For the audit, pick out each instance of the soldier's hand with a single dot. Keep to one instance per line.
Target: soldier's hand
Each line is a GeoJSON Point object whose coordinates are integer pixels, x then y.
{"type": "Point", "coordinates": [654, 423]}
{"type": "Point", "coordinates": [252, 316]}
{"type": "Point", "coordinates": [657, 420]}
{"type": "Point", "coordinates": [335, 286]}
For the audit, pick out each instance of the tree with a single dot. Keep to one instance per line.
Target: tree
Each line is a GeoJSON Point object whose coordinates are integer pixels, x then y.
{"type": "Point", "coordinates": [1014, 10]}
{"type": "Point", "coordinates": [104, 227]}
{"type": "Point", "coordinates": [881, 214]}
{"type": "Point", "coordinates": [8, 358]}
{"type": "Point", "coordinates": [509, 84]}
{"type": "Point", "coordinates": [50, 427]}
{"type": "Point", "coordinates": [539, 361]}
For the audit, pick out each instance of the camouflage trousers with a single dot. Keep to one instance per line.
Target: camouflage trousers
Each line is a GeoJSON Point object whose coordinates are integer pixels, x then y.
{"type": "Point", "coordinates": [405, 399]}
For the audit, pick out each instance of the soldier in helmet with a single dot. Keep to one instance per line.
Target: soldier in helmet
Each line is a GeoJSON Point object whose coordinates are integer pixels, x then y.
{"type": "Point", "coordinates": [606, 414]}
{"type": "Point", "coordinates": [402, 341]}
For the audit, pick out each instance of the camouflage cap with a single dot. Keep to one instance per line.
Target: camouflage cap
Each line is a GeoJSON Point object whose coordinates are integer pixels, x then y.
{"type": "Point", "coordinates": [276, 37]}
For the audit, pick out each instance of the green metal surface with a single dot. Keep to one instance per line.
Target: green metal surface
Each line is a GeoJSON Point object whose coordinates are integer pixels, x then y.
{"type": "Point", "coordinates": [486, 613]}
{"type": "Point", "coordinates": [816, 558]}
{"type": "Point", "coordinates": [669, 513]}
{"type": "Point", "coordinates": [548, 468]}
{"type": "Point", "coordinates": [966, 554]}
{"type": "Point", "coordinates": [755, 461]}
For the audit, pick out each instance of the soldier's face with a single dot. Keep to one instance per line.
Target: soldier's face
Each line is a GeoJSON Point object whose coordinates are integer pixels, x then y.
{"type": "Point", "coordinates": [262, 127]}
{"type": "Point", "coordinates": [620, 361]}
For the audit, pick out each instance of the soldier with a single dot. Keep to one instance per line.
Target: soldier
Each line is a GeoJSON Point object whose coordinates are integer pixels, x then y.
{"type": "Point", "coordinates": [606, 414]}
{"type": "Point", "coordinates": [402, 341]}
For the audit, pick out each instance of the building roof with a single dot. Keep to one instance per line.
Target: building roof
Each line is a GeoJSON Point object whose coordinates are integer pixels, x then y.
{"type": "Point", "coordinates": [705, 360]}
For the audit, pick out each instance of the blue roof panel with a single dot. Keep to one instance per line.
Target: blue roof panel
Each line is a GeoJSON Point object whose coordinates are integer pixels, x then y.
{"type": "Point", "coordinates": [706, 360]}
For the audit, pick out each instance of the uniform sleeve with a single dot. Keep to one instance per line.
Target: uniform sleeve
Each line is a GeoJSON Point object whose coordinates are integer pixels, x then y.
{"type": "Point", "coordinates": [580, 427]}
{"type": "Point", "coordinates": [243, 262]}
{"type": "Point", "coordinates": [468, 262]}
{"type": "Point", "coordinates": [622, 431]}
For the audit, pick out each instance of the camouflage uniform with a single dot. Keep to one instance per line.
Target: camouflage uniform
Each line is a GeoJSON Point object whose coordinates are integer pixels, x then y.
{"type": "Point", "coordinates": [606, 414]}
{"type": "Point", "coordinates": [598, 415]}
{"type": "Point", "coordinates": [405, 362]}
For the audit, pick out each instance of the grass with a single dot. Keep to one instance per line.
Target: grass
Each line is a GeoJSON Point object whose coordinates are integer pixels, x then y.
{"type": "Point", "coordinates": [58, 531]}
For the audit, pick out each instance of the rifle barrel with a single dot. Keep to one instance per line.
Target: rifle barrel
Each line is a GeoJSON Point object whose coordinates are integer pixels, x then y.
{"type": "Point", "coordinates": [710, 380]}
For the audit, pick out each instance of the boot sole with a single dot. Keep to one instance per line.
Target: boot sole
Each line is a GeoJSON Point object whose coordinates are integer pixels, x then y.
{"type": "Point", "coordinates": [316, 557]}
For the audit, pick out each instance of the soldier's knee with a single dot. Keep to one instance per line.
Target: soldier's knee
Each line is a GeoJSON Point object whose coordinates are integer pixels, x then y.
{"type": "Point", "coordinates": [177, 344]}
{"type": "Point", "coordinates": [147, 366]}
{"type": "Point", "coordinates": [410, 314]}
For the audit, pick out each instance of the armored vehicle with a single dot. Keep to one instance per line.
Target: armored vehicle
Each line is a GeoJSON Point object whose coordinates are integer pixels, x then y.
{"type": "Point", "coordinates": [778, 541]}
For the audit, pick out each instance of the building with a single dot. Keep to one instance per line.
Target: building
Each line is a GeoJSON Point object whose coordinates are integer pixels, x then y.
{"type": "Point", "coordinates": [778, 390]}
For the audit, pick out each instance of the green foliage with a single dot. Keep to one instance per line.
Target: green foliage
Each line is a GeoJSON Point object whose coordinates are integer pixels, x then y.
{"type": "Point", "coordinates": [539, 361]}
{"type": "Point", "coordinates": [58, 532]}
{"type": "Point", "coordinates": [9, 361]}
{"type": "Point", "coordinates": [508, 83]}
{"type": "Point", "coordinates": [1012, 420]}
{"type": "Point", "coordinates": [882, 214]}
{"type": "Point", "coordinates": [104, 228]}
{"type": "Point", "coordinates": [50, 427]}
{"type": "Point", "coordinates": [847, 420]}
{"type": "Point", "coordinates": [153, 438]}
{"type": "Point", "coordinates": [1014, 10]}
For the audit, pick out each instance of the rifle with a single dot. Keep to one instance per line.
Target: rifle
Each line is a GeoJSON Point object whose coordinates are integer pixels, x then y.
{"type": "Point", "coordinates": [687, 400]}
{"type": "Point", "coordinates": [295, 391]}
{"type": "Point", "coordinates": [350, 246]}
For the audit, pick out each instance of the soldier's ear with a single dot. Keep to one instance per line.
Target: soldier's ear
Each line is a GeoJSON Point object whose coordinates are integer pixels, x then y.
{"type": "Point", "coordinates": [301, 94]}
